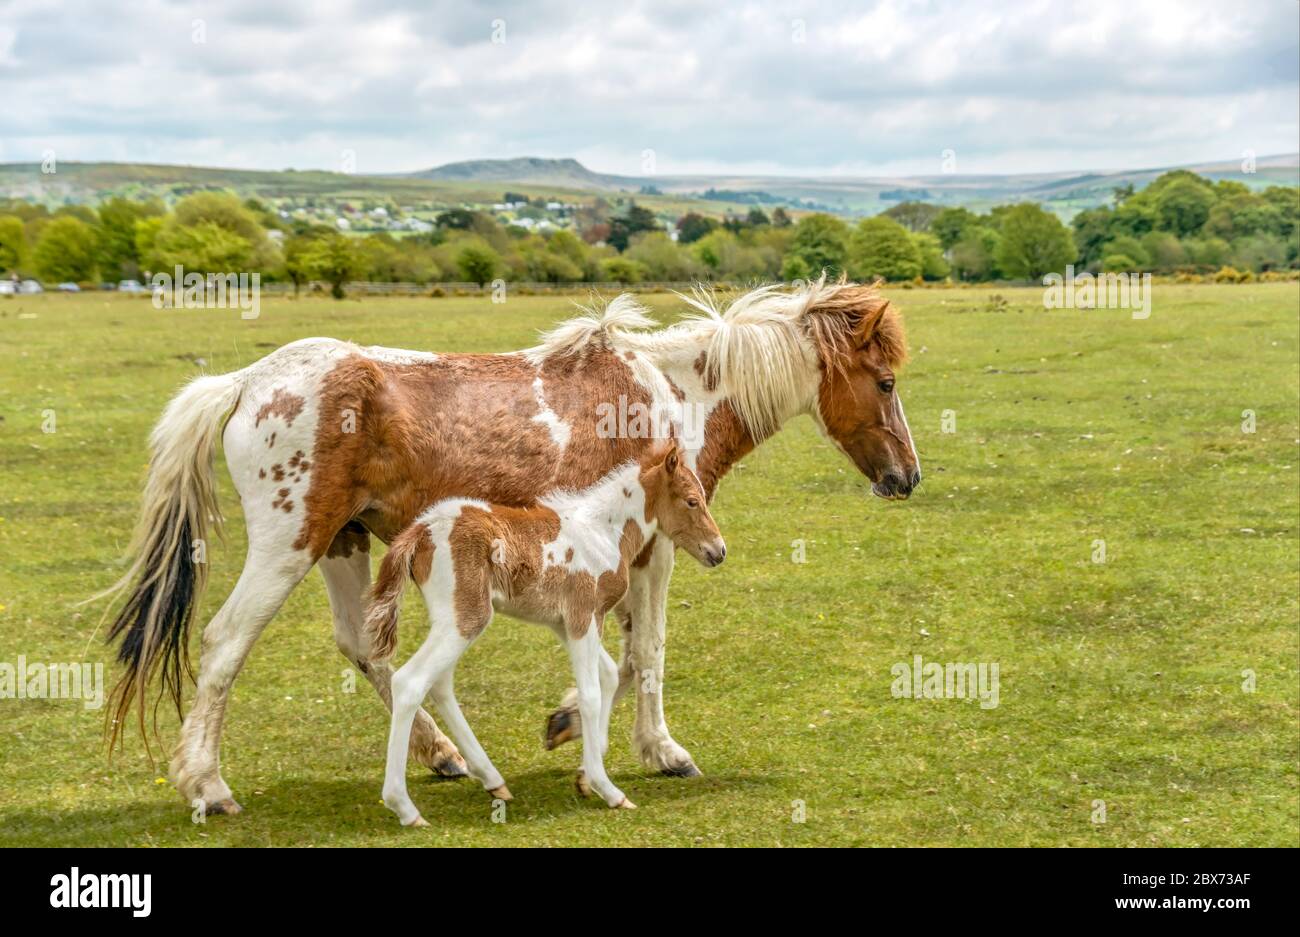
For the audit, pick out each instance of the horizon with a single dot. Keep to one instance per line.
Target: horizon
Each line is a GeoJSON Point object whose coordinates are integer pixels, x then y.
{"type": "Point", "coordinates": [901, 88]}
{"type": "Point", "coordinates": [1110, 170]}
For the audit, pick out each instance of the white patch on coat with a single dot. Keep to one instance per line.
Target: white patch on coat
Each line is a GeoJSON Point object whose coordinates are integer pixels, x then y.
{"type": "Point", "coordinates": [559, 429]}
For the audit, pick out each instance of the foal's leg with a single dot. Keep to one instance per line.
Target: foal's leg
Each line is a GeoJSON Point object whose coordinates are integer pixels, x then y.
{"type": "Point", "coordinates": [595, 676]}
{"type": "Point", "coordinates": [643, 617]}
{"type": "Point", "coordinates": [346, 579]}
{"type": "Point", "coordinates": [431, 668]}
{"type": "Point", "coordinates": [266, 580]}
{"type": "Point", "coordinates": [608, 688]}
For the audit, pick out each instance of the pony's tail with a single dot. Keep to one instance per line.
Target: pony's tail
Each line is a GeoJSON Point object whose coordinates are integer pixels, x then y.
{"type": "Point", "coordinates": [168, 549]}
{"type": "Point", "coordinates": [410, 547]}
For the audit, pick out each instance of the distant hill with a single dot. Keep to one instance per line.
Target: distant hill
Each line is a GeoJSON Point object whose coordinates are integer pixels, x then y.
{"type": "Point", "coordinates": [483, 182]}
{"type": "Point", "coordinates": [529, 169]}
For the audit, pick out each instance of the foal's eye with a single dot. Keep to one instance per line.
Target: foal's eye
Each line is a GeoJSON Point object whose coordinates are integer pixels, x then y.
{"type": "Point", "coordinates": [692, 502]}
{"type": "Point", "coordinates": [886, 387]}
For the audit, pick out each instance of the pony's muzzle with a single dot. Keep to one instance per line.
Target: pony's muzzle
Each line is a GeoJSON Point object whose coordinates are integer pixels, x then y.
{"type": "Point", "coordinates": [714, 553]}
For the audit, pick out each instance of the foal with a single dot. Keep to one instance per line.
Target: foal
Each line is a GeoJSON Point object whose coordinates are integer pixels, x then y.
{"type": "Point", "coordinates": [562, 562]}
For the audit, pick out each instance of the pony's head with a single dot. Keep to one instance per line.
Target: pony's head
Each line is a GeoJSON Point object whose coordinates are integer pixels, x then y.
{"type": "Point", "coordinates": [676, 501]}
{"type": "Point", "coordinates": [859, 341]}
{"type": "Point", "coordinates": [827, 349]}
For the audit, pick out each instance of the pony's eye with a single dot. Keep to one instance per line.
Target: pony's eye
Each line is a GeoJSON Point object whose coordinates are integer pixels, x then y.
{"type": "Point", "coordinates": [692, 502]}
{"type": "Point", "coordinates": [886, 387]}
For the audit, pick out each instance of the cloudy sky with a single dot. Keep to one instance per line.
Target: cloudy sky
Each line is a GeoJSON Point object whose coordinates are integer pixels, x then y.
{"type": "Point", "coordinates": [856, 88]}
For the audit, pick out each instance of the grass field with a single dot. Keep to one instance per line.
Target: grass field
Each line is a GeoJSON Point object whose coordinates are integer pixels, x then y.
{"type": "Point", "coordinates": [1120, 682]}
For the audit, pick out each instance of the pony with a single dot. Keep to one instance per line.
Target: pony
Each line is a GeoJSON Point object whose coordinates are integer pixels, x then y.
{"type": "Point", "coordinates": [562, 562]}
{"type": "Point", "coordinates": [329, 444]}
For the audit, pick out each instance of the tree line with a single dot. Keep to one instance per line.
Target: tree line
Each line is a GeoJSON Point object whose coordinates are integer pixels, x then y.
{"type": "Point", "coordinates": [1182, 222]}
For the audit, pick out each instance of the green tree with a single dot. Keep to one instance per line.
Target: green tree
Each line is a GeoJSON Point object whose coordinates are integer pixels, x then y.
{"type": "Point", "coordinates": [781, 218]}
{"type": "Point", "coordinates": [973, 255]}
{"type": "Point", "coordinates": [622, 270]}
{"type": "Point", "coordinates": [692, 226]}
{"type": "Point", "coordinates": [623, 228]}
{"type": "Point", "coordinates": [477, 262]}
{"type": "Point", "coordinates": [933, 264]}
{"type": "Point", "coordinates": [298, 259]}
{"type": "Point", "coordinates": [67, 250]}
{"type": "Point", "coordinates": [1183, 206]}
{"type": "Point", "coordinates": [212, 232]}
{"type": "Point", "coordinates": [118, 256]}
{"type": "Point", "coordinates": [949, 225]}
{"type": "Point", "coordinates": [13, 243]}
{"type": "Point", "coordinates": [1033, 242]}
{"type": "Point", "coordinates": [914, 216]}
{"type": "Point", "coordinates": [335, 259]}
{"type": "Point", "coordinates": [662, 258]}
{"type": "Point", "coordinates": [821, 242]}
{"type": "Point", "coordinates": [881, 247]}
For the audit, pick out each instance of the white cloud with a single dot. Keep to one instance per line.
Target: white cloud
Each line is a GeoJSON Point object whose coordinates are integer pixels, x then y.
{"type": "Point", "coordinates": [1054, 84]}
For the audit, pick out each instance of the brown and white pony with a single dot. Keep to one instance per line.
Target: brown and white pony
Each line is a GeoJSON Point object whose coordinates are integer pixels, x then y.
{"type": "Point", "coordinates": [329, 443]}
{"type": "Point", "coordinates": [563, 562]}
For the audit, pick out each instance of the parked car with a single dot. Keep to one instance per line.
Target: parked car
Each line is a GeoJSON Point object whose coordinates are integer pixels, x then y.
{"type": "Point", "coordinates": [130, 286]}
{"type": "Point", "coordinates": [68, 288]}
{"type": "Point", "coordinates": [8, 287]}
{"type": "Point", "coordinates": [30, 286]}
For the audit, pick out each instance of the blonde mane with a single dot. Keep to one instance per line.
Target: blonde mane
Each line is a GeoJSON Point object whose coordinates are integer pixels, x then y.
{"type": "Point", "coordinates": [762, 349]}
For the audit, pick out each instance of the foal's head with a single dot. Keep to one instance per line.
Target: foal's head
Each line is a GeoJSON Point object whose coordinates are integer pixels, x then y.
{"type": "Point", "coordinates": [676, 501]}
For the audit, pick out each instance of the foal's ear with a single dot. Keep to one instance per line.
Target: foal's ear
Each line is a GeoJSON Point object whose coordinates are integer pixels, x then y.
{"type": "Point", "coordinates": [670, 459]}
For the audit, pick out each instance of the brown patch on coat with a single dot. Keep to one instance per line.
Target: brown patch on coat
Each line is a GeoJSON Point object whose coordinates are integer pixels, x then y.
{"type": "Point", "coordinates": [283, 404]}
{"type": "Point", "coordinates": [726, 441]}
{"type": "Point", "coordinates": [677, 391]}
{"type": "Point", "coordinates": [458, 426]}
{"type": "Point", "coordinates": [707, 374]}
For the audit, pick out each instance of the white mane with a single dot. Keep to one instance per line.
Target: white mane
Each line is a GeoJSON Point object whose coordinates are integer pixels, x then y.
{"type": "Point", "coordinates": [761, 349]}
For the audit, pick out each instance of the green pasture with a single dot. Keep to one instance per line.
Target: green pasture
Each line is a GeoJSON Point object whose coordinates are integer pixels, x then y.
{"type": "Point", "coordinates": [1147, 700]}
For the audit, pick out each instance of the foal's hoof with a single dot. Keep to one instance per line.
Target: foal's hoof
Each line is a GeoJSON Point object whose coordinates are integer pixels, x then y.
{"type": "Point", "coordinates": [580, 782]}
{"type": "Point", "coordinates": [418, 821]}
{"type": "Point", "coordinates": [452, 766]}
{"type": "Point", "coordinates": [501, 793]}
{"type": "Point", "coordinates": [226, 807]}
{"type": "Point", "coordinates": [625, 804]}
{"type": "Point", "coordinates": [685, 770]}
{"type": "Point", "coordinates": [559, 728]}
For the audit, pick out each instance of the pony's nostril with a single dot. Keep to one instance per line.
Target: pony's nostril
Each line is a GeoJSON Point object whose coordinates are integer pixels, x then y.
{"type": "Point", "coordinates": [893, 482]}
{"type": "Point", "coordinates": [916, 477]}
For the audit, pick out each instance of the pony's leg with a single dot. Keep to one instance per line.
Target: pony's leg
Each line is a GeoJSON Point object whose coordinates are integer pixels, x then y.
{"type": "Point", "coordinates": [596, 678]}
{"type": "Point", "coordinates": [647, 603]}
{"type": "Point", "coordinates": [642, 615]}
{"type": "Point", "coordinates": [262, 587]}
{"type": "Point", "coordinates": [346, 579]}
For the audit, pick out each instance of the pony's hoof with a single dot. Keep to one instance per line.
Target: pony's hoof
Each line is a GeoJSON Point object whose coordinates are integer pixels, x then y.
{"type": "Point", "coordinates": [559, 729]}
{"type": "Point", "coordinates": [580, 782]}
{"type": "Point", "coordinates": [226, 807]}
{"type": "Point", "coordinates": [625, 804]}
{"type": "Point", "coordinates": [418, 821]}
{"type": "Point", "coordinates": [685, 770]}
{"type": "Point", "coordinates": [453, 766]}
{"type": "Point", "coordinates": [501, 793]}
